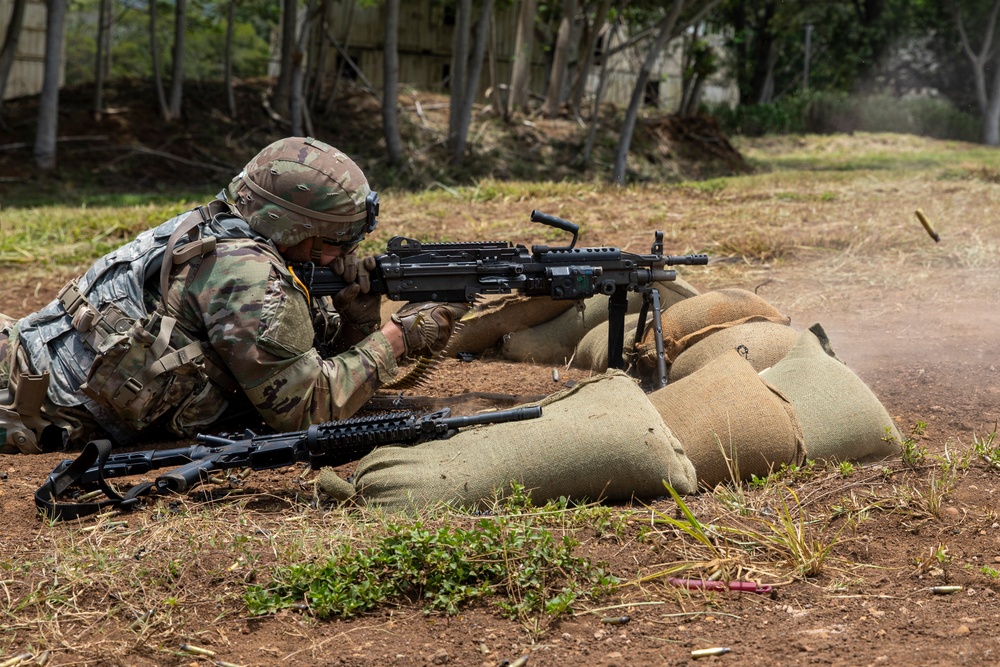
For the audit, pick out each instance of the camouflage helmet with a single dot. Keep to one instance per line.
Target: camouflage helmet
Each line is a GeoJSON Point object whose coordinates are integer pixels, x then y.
{"type": "Point", "coordinates": [299, 188]}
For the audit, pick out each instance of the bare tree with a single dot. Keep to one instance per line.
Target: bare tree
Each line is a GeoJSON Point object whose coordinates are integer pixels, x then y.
{"type": "Point", "coordinates": [466, 73]}
{"type": "Point", "coordinates": [665, 29]}
{"type": "Point", "coordinates": [10, 41]}
{"type": "Point", "coordinates": [390, 123]}
{"type": "Point", "coordinates": [177, 67]}
{"type": "Point", "coordinates": [227, 62]}
{"type": "Point", "coordinates": [524, 44]}
{"type": "Point", "coordinates": [48, 103]}
{"type": "Point", "coordinates": [459, 63]}
{"type": "Point", "coordinates": [471, 88]}
{"type": "Point", "coordinates": [560, 59]}
{"type": "Point", "coordinates": [591, 34]}
{"type": "Point", "coordinates": [987, 57]}
{"type": "Point", "coordinates": [297, 109]}
{"type": "Point", "coordinates": [102, 58]}
{"type": "Point", "coordinates": [281, 98]}
{"type": "Point", "coordinates": [154, 53]}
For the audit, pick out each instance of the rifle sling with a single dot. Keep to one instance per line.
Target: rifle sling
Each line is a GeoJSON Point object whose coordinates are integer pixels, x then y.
{"type": "Point", "coordinates": [95, 451]}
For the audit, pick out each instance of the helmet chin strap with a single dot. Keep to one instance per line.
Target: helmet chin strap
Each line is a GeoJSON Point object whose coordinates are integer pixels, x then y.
{"type": "Point", "coordinates": [317, 250]}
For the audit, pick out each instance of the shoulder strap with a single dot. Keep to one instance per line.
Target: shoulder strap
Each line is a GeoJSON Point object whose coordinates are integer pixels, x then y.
{"type": "Point", "coordinates": [95, 451]}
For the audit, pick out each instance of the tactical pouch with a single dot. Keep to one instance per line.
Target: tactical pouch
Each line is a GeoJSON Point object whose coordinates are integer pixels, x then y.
{"type": "Point", "coordinates": [153, 371]}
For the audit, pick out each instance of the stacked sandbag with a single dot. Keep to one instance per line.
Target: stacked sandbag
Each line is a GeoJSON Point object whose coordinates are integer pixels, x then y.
{"type": "Point", "coordinates": [733, 425]}
{"type": "Point", "coordinates": [763, 344]}
{"type": "Point", "coordinates": [688, 321]}
{"type": "Point", "coordinates": [554, 342]}
{"type": "Point", "coordinates": [842, 420]}
{"type": "Point", "coordinates": [592, 352]}
{"type": "Point", "coordinates": [602, 439]}
{"type": "Point", "coordinates": [493, 316]}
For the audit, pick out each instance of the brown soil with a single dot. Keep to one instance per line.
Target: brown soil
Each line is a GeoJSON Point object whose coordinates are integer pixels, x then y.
{"type": "Point", "coordinates": [923, 336]}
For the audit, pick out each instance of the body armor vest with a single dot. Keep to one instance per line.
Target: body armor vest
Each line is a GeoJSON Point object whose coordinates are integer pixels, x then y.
{"type": "Point", "coordinates": [104, 350]}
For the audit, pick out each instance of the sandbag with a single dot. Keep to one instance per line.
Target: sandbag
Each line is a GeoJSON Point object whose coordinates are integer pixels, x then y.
{"type": "Point", "coordinates": [690, 320]}
{"type": "Point", "coordinates": [763, 344]}
{"type": "Point", "coordinates": [592, 352]}
{"type": "Point", "coordinates": [601, 439]}
{"type": "Point", "coordinates": [842, 420]}
{"type": "Point", "coordinates": [732, 424]}
{"type": "Point", "coordinates": [497, 314]}
{"type": "Point", "coordinates": [554, 342]}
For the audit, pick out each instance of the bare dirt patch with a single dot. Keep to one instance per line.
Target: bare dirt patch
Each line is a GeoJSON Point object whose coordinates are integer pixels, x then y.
{"type": "Point", "coordinates": [917, 321]}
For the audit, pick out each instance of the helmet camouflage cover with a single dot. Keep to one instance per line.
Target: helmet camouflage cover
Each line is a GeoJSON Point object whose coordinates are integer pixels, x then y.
{"type": "Point", "coordinates": [299, 188]}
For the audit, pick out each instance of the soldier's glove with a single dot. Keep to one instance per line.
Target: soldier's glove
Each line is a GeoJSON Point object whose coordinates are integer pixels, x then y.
{"type": "Point", "coordinates": [358, 307]}
{"type": "Point", "coordinates": [427, 326]}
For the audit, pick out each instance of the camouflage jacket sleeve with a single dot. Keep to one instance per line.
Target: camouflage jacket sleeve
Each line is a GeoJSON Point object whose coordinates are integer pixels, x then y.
{"type": "Point", "coordinates": [259, 326]}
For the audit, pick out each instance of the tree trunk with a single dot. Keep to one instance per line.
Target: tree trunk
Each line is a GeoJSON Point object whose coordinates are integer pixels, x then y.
{"type": "Point", "coordinates": [177, 67]}
{"type": "Point", "coordinates": [48, 103]}
{"type": "Point", "coordinates": [472, 83]}
{"type": "Point", "coordinates": [595, 114]}
{"type": "Point", "coordinates": [154, 54]}
{"type": "Point", "coordinates": [227, 63]}
{"type": "Point", "coordinates": [560, 60]}
{"type": "Point", "coordinates": [987, 100]}
{"type": "Point", "coordinates": [524, 43]}
{"type": "Point", "coordinates": [589, 44]}
{"type": "Point", "coordinates": [297, 110]}
{"type": "Point", "coordinates": [103, 50]}
{"type": "Point", "coordinates": [665, 28]}
{"type": "Point", "coordinates": [459, 65]}
{"type": "Point", "coordinates": [390, 56]}
{"type": "Point", "coordinates": [281, 98]}
{"type": "Point", "coordinates": [10, 41]}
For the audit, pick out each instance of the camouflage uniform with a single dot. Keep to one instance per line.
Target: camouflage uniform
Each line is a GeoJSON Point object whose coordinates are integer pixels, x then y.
{"type": "Point", "coordinates": [235, 327]}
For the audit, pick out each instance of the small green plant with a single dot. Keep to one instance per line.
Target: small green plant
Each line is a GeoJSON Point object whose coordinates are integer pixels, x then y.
{"type": "Point", "coordinates": [990, 572]}
{"type": "Point", "coordinates": [846, 468]}
{"type": "Point", "coordinates": [511, 556]}
{"type": "Point", "coordinates": [986, 450]}
{"type": "Point", "coordinates": [911, 453]}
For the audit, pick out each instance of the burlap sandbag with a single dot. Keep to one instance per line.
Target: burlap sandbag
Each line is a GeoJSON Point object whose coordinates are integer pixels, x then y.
{"type": "Point", "coordinates": [592, 352]}
{"type": "Point", "coordinates": [495, 315]}
{"type": "Point", "coordinates": [731, 423]}
{"type": "Point", "coordinates": [763, 344]}
{"type": "Point", "coordinates": [602, 439]}
{"type": "Point", "coordinates": [842, 420]}
{"type": "Point", "coordinates": [553, 342]}
{"type": "Point", "coordinates": [690, 320]}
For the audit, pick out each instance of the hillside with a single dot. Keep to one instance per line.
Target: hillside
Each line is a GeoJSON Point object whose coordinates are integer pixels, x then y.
{"type": "Point", "coordinates": [132, 148]}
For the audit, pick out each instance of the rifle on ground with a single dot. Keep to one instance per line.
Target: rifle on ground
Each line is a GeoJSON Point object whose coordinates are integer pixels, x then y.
{"type": "Point", "coordinates": [329, 444]}
{"type": "Point", "coordinates": [459, 272]}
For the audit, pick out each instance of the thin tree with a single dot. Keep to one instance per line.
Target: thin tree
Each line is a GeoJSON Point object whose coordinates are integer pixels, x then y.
{"type": "Point", "coordinates": [48, 103]}
{"type": "Point", "coordinates": [102, 56]}
{"type": "Point", "coordinates": [9, 50]}
{"type": "Point", "coordinates": [154, 54]}
{"type": "Point", "coordinates": [591, 35]}
{"type": "Point", "coordinates": [297, 110]}
{"type": "Point", "coordinates": [281, 98]}
{"type": "Point", "coordinates": [459, 64]}
{"type": "Point", "coordinates": [177, 68]}
{"type": "Point", "coordinates": [227, 61]}
{"type": "Point", "coordinates": [665, 29]}
{"type": "Point", "coordinates": [524, 43]}
{"type": "Point", "coordinates": [390, 122]}
{"type": "Point", "coordinates": [560, 59]}
{"type": "Point", "coordinates": [471, 90]}
{"type": "Point", "coordinates": [987, 57]}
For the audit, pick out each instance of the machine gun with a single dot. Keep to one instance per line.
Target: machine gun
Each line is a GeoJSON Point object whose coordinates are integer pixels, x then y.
{"type": "Point", "coordinates": [328, 444]}
{"type": "Point", "coordinates": [459, 272]}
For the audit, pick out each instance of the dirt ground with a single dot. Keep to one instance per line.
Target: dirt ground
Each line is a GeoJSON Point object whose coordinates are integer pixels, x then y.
{"type": "Point", "coordinates": [921, 333]}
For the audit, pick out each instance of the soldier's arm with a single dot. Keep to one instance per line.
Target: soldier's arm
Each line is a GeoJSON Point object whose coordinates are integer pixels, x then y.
{"type": "Point", "coordinates": [259, 326]}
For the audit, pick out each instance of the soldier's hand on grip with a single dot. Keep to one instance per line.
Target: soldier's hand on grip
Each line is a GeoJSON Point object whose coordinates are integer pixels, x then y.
{"type": "Point", "coordinates": [355, 303]}
{"type": "Point", "coordinates": [428, 326]}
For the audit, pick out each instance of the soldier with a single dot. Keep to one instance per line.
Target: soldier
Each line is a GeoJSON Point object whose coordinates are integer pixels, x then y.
{"type": "Point", "coordinates": [202, 320]}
